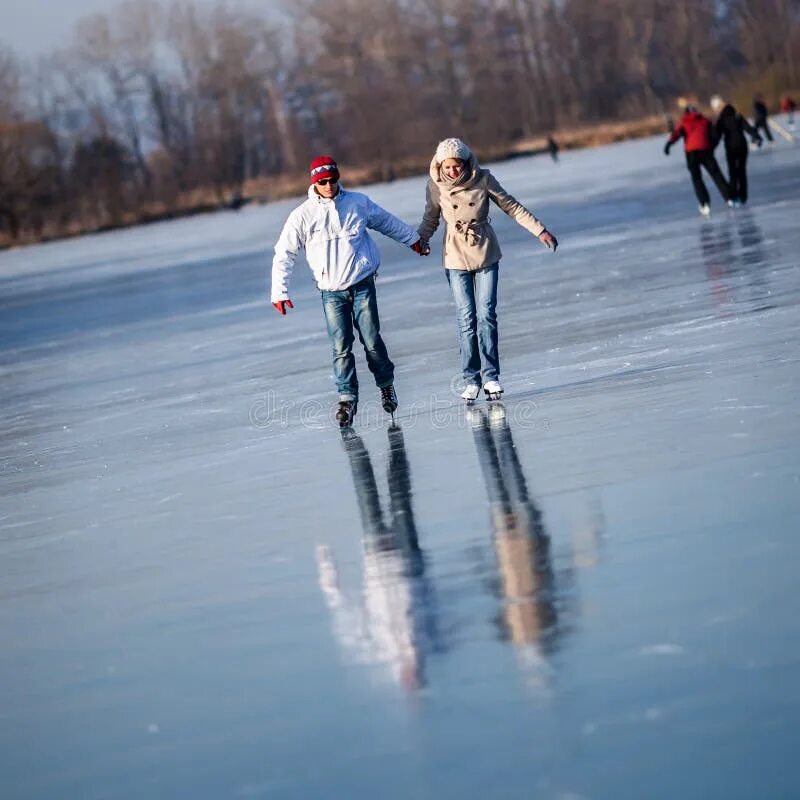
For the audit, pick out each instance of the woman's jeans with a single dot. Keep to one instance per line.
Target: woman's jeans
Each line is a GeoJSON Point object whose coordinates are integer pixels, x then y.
{"type": "Point", "coordinates": [475, 294]}
{"type": "Point", "coordinates": [356, 309]}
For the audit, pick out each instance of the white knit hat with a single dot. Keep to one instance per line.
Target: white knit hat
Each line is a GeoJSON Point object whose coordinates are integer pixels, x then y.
{"type": "Point", "coordinates": [452, 148]}
{"type": "Point", "coordinates": [717, 103]}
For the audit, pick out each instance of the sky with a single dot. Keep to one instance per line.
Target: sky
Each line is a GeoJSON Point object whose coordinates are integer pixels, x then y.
{"type": "Point", "coordinates": [38, 27]}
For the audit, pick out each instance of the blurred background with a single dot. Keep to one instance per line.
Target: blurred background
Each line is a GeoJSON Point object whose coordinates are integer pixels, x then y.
{"type": "Point", "coordinates": [117, 113]}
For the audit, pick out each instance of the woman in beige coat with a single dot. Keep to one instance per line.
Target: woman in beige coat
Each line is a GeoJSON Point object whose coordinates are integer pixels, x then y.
{"type": "Point", "coordinates": [459, 191]}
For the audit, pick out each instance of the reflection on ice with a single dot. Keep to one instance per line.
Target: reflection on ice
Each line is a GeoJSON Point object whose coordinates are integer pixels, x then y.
{"type": "Point", "coordinates": [527, 586]}
{"type": "Point", "coordinates": [734, 256]}
{"type": "Point", "coordinates": [587, 535]}
{"type": "Point", "coordinates": [395, 624]}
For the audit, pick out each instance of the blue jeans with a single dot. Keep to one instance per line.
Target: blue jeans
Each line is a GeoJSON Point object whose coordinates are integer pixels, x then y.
{"type": "Point", "coordinates": [356, 309]}
{"type": "Point", "coordinates": [475, 294]}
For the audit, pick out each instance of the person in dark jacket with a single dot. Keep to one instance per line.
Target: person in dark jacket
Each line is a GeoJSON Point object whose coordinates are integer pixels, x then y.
{"type": "Point", "coordinates": [732, 126]}
{"type": "Point", "coordinates": [696, 131]}
{"type": "Point", "coordinates": [760, 117]}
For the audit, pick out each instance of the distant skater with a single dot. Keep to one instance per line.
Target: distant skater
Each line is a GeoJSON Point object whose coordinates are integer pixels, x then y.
{"type": "Point", "coordinates": [459, 191]}
{"type": "Point", "coordinates": [731, 126]}
{"type": "Point", "coordinates": [697, 133]}
{"type": "Point", "coordinates": [761, 117]}
{"type": "Point", "coordinates": [788, 107]}
{"type": "Point", "coordinates": [552, 148]}
{"type": "Point", "coordinates": [331, 226]}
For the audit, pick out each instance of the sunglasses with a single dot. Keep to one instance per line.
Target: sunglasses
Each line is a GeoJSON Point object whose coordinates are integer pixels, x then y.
{"type": "Point", "coordinates": [326, 181]}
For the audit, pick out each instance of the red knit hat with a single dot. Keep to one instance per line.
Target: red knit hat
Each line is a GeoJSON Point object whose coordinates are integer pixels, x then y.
{"type": "Point", "coordinates": [323, 167]}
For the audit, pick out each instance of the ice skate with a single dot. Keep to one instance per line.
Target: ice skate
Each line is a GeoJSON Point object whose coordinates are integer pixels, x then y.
{"type": "Point", "coordinates": [345, 412]}
{"type": "Point", "coordinates": [470, 393]}
{"type": "Point", "coordinates": [705, 210]}
{"type": "Point", "coordinates": [389, 399]}
{"type": "Point", "coordinates": [733, 204]}
{"type": "Point", "coordinates": [493, 390]}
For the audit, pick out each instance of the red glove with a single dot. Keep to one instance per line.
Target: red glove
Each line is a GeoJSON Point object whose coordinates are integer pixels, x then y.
{"type": "Point", "coordinates": [282, 305]}
{"type": "Point", "coordinates": [548, 240]}
{"type": "Point", "coordinates": [421, 247]}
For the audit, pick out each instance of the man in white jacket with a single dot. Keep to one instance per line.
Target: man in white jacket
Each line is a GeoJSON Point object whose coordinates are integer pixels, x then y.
{"type": "Point", "coordinates": [332, 227]}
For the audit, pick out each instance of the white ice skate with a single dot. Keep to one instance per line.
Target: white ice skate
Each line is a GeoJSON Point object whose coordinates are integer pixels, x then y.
{"type": "Point", "coordinates": [470, 393]}
{"type": "Point", "coordinates": [493, 390]}
{"type": "Point", "coordinates": [705, 210]}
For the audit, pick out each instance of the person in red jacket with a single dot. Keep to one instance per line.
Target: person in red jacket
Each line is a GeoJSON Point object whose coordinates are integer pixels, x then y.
{"type": "Point", "coordinates": [788, 107]}
{"type": "Point", "coordinates": [697, 132]}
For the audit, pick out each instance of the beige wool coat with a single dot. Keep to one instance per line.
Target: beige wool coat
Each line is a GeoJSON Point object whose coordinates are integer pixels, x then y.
{"type": "Point", "coordinates": [470, 242]}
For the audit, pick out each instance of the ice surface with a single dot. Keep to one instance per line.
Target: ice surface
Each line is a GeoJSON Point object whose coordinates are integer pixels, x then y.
{"type": "Point", "coordinates": [205, 592]}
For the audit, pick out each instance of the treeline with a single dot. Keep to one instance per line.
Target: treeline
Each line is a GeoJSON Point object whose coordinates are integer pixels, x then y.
{"type": "Point", "coordinates": [160, 107]}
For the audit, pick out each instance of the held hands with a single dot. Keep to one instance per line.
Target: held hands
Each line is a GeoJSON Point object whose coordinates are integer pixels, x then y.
{"type": "Point", "coordinates": [282, 305]}
{"type": "Point", "coordinates": [548, 240]}
{"type": "Point", "coordinates": [421, 247]}
{"type": "Point", "coordinates": [667, 147]}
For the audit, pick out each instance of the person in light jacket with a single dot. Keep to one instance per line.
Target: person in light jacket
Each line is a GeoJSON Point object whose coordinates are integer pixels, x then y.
{"type": "Point", "coordinates": [459, 191]}
{"type": "Point", "coordinates": [331, 225]}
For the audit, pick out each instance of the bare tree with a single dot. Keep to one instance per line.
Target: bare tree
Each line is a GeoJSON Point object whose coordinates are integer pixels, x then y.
{"type": "Point", "coordinates": [101, 55]}
{"type": "Point", "coordinates": [28, 171]}
{"type": "Point", "coordinates": [768, 31]}
{"type": "Point", "coordinates": [160, 104]}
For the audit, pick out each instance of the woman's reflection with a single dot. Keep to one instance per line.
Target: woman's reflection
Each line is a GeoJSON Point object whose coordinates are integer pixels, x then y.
{"type": "Point", "coordinates": [394, 623]}
{"type": "Point", "coordinates": [527, 586]}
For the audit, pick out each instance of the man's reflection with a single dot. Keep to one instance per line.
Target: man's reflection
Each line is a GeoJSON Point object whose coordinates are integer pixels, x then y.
{"type": "Point", "coordinates": [394, 623]}
{"type": "Point", "coordinates": [522, 547]}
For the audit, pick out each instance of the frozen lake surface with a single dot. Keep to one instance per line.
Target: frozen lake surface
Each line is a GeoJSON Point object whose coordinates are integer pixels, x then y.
{"type": "Point", "coordinates": [587, 593]}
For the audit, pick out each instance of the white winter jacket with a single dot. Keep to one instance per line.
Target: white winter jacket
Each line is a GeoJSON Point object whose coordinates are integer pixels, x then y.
{"type": "Point", "coordinates": [334, 234]}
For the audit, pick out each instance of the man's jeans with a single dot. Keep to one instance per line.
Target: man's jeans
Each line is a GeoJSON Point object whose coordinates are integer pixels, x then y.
{"type": "Point", "coordinates": [346, 310]}
{"type": "Point", "coordinates": [475, 294]}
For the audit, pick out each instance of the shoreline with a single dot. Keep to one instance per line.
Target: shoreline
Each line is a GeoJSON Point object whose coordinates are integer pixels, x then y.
{"type": "Point", "coordinates": [267, 190]}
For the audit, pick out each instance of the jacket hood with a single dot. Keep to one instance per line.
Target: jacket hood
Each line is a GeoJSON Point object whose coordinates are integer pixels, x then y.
{"type": "Point", "coordinates": [728, 111]}
{"type": "Point", "coordinates": [471, 168]}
